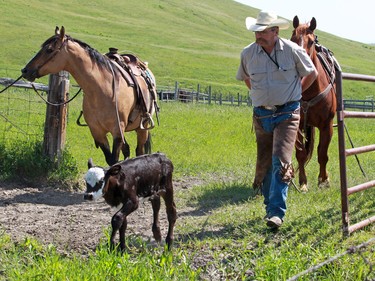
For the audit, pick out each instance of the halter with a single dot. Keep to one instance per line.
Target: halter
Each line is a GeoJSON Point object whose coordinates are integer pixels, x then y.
{"type": "Point", "coordinates": [330, 72]}
{"type": "Point", "coordinates": [55, 52]}
{"type": "Point", "coordinates": [39, 67]}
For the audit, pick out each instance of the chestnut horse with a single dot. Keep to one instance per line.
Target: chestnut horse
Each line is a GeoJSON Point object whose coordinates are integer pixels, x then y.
{"type": "Point", "coordinates": [110, 103]}
{"type": "Point", "coordinates": [318, 104]}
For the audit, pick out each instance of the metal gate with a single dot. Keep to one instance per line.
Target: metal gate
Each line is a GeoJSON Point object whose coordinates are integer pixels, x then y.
{"type": "Point", "coordinates": [344, 153]}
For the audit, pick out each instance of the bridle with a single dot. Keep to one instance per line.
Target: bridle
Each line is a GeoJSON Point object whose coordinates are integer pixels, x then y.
{"type": "Point", "coordinates": [306, 104]}
{"type": "Point", "coordinates": [300, 43]}
{"type": "Point", "coordinates": [55, 52]}
{"type": "Point", "coordinates": [53, 55]}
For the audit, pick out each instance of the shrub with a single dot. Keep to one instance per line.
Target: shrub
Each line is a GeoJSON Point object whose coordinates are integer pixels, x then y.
{"type": "Point", "coordinates": [26, 161]}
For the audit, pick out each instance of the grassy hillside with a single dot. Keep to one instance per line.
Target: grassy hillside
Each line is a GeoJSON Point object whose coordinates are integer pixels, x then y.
{"type": "Point", "coordinates": [187, 41]}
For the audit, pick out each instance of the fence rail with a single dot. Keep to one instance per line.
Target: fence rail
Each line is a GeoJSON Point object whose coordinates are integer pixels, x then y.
{"type": "Point", "coordinates": [190, 95]}
{"type": "Point", "coordinates": [347, 190]}
{"type": "Point", "coordinates": [23, 84]}
{"type": "Point", "coordinates": [363, 105]}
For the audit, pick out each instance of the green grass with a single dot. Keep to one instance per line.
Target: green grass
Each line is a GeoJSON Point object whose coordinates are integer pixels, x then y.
{"type": "Point", "coordinates": [220, 234]}
{"type": "Point", "coordinates": [223, 238]}
{"type": "Point", "coordinates": [198, 139]}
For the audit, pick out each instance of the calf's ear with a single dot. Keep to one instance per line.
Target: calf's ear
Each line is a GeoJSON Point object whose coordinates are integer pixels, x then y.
{"type": "Point", "coordinates": [114, 170]}
{"type": "Point", "coordinates": [90, 163]}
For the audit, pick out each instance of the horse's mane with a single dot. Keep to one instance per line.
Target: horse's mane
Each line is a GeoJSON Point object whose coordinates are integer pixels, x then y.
{"type": "Point", "coordinates": [95, 56]}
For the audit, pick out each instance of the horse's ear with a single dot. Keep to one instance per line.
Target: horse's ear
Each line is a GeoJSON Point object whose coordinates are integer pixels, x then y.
{"type": "Point", "coordinates": [62, 32]}
{"type": "Point", "coordinates": [312, 24]}
{"type": "Point", "coordinates": [295, 22]}
{"type": "Point", "coordinates": [57, 30]}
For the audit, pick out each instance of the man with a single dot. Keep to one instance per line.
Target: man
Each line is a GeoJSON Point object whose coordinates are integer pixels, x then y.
{"type": "Point", "coordinates": [276, 71]}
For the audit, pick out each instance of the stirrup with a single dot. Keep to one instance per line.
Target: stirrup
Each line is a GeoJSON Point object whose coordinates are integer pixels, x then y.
{"type": "Point", "coordinates": [147, 118]}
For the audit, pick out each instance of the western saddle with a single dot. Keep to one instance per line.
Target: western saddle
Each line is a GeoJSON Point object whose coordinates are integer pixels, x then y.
{"type": "Point", "coordinates": [136, 72]}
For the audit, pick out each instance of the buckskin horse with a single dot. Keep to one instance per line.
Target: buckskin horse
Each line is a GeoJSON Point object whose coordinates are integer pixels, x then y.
{"type": "Point", "coordinates": [318, 104]}
{"type": "Point", "coordinates": [119, 90]}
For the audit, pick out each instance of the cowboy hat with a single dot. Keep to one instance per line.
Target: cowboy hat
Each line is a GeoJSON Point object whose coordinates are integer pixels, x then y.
{"type": "Point", "coordinates": [265, 20]}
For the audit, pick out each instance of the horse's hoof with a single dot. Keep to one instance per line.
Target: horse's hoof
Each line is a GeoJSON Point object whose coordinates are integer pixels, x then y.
{"type": "Point", "coordinates": [323, 184]}
{"type": "Point", "coordinates": [303, 188]}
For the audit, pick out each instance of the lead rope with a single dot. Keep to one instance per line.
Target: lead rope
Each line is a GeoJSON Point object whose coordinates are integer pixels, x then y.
{"type": "Point", "coordinates": [11, 84]}
{"type": "Point", "coordinates": [55, 104]}
{"type": "Point", "coordinates": [36, 91]}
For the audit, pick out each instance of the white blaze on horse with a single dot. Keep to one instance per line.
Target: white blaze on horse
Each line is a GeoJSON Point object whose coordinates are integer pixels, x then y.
{"type": "Point", "coordinates": [119, 90]}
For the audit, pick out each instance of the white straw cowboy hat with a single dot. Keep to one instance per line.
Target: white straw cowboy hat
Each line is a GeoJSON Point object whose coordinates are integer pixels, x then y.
{"type": "Point", "coordinates": [265, 20]}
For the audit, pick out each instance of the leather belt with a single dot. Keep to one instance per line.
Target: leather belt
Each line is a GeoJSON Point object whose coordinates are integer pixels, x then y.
{"type": "Point", "coordinates": [275, 107]}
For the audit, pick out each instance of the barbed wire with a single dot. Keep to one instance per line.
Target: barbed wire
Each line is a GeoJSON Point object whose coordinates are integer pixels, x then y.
{"type": "Point", "coordinates": [350, 250]}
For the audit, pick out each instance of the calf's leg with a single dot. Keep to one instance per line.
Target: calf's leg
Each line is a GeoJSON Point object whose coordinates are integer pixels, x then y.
{"type": "Point", "coordinates": [119, 221]}
{"type": "Point", "coordinates": [155, 201]}
{"type": "Point", "coordinates": [171, 212]}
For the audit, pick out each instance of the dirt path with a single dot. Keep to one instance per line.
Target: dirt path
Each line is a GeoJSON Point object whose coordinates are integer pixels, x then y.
{"type": "Point", "coordinates": [63, 218]}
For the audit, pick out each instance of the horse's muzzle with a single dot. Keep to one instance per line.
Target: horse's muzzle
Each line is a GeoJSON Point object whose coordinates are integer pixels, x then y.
{"type": "Point", "coordinates": [29, 75]}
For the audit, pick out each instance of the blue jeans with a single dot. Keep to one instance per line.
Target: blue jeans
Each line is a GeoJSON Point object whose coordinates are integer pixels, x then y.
{"type": "Point", "coordinates": [276, 132]}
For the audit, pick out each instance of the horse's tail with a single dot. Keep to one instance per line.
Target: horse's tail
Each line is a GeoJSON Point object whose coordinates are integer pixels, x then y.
{"type": "Point", "coordinates": [309, 142]}
{"type": "Point", "coordinates": [148, 144]}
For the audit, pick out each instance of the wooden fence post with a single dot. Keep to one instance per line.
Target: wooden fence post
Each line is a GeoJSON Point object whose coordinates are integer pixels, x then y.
{"type": "Point", "coordinates": [176, 86]}
{"type": "Point", "coordinates": [209, 94]}
{"type": "Point", "coordinates": [56, 116]}
{"type": "Point", "coordinates": [198, 91]}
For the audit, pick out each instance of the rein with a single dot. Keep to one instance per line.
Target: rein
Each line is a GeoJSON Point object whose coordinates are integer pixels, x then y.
{"type": "Point", "coordinates": [116, 102]}
{"type": "Point", "coordinates": [305, 105]}
{"type": "Point", "coordinates": [11, 84]}
{"type": "Point", "coordinates": [36, 91]}
{"type": "Point", "coordinates": [55, 104]}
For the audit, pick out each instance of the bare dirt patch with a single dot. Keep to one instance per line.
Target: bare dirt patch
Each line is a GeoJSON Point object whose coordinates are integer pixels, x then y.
{"type": "Point", "coordinates": [63, 218]}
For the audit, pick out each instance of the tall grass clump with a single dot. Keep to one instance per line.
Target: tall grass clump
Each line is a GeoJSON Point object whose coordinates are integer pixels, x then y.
{"type": "Point", "coordinates": [26, 161]}
{"type": "Point", "coordinates": [29, 260]}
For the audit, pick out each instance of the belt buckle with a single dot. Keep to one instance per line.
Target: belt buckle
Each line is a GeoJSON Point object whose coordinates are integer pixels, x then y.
{"type": "Point", "coordinates": [270, 107]}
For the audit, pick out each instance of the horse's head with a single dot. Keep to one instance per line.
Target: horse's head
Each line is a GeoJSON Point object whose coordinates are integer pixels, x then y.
{"type": "Point", "coordinates": [303, 35]}
{"type": "Point", "coordinates": [48, 60]}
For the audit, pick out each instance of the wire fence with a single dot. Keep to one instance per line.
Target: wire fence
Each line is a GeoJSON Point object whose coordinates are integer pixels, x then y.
{"type": "Point", "coordinates": [22, 112]}
{"type": "Point", "coordinates": [22, 115]}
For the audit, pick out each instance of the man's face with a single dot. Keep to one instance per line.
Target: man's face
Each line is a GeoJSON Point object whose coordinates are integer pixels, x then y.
{"type": "Point", "coordinates": [266, 37]}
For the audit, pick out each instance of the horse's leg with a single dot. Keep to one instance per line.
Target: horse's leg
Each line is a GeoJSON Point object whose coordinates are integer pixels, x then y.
{"type": "Point", "coordinates": [301, 156]}
{"type": "Point", "coordinates": [104, 146]}
{"type": "Point", "coordinates": [325, 137]}
{"type": "Point", "coordinates": [125, 150]}
{"type": "Point", "coordinates": [143, 141]}
{"type": "Point", "coordinates": [116, 148]}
